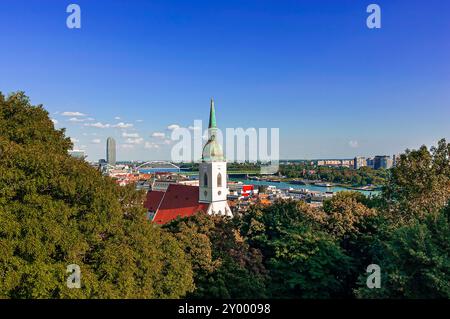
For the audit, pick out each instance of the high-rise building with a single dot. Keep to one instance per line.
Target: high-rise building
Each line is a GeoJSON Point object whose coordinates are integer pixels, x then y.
{"type": "Point", "coordinates": [111, 151]}
{"type": "Point", "coordinates": [359, 162]}
{"type": "Point", "coordinates": [395, 159]}
{"type": "Point", "coordinates": [382, 161]}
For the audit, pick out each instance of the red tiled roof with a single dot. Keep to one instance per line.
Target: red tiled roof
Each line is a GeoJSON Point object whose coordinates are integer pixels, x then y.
{"type": "Point", "coordinates": [153, 200]}
{"type": "Point", "coordinates": [179, 200]}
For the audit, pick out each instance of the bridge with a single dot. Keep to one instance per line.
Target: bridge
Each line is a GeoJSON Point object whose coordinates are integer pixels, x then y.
{"type": "Point", "coordinates": [158, 166]}
{"type": "Point", "coordinates": [165, 166]}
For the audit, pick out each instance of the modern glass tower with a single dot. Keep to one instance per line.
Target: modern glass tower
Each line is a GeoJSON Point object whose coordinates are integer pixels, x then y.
{"type": "Point", "coordinates": [111, 151]}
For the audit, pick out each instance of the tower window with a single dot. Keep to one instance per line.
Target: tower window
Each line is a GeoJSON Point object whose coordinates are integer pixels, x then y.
{"type": "Point", "coordinates": [219, 180]}
{"type": "Point", "coordinates": [205, 180]}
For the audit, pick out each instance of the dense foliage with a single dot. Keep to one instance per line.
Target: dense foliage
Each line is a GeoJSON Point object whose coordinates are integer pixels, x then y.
{"type": "Point", "coordinates": [56, 210]}
{"type": "Point", "coordinates": [415, 260]}
{"type": "Point", "coordinates": [324, 253]}
{"type": "Point", "coordinates": [225, 266]}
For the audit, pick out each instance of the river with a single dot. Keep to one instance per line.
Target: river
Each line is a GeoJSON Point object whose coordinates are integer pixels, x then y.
{"type": "Point", "coordinates": [315, 188]}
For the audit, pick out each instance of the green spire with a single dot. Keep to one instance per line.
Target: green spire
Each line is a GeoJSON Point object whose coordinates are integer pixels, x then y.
{"type": "Point", "coordinates": [212, 116]}
{"type": "Point", "coordinates": [212, 151]}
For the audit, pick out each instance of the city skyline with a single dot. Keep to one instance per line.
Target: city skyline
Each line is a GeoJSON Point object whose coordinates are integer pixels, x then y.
{"type": "Point", "coordinates": [217, 157]}
{"type": "Point", "coordinates": [333, 87]}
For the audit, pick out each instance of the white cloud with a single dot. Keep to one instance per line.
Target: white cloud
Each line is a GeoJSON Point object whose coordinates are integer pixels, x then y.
{"type": "Point", "coordinates": [125, 134]}
{"type": "Point", "coordinates": [117, 118]}
{"type": "Point", "coordinates": [173, 127]}
{"type": "Point", "coordinates": [123, 125]}
{"type": "Point", "coordinates": [75, 119]}
{"type": "Point", "coordinates": [353, 144]}
{"type": "Point", "coordinates": [97, 125]}
{"type": "Point", "coordinates": [74, 140]}
{"type": "Point", "coordinates": [194, 128]}
{"type": "Point", "coordinates": [150, 145]}
{"type": "Point", "coordinates": [126, 146]}
{"type": "Point", "coordinates": [72, 114]}
{"type": "Point", "coordinates": [96, 141]}
{"type": "Point", "coordinates": [54, 121]}
{"type": "Point", "coordinates": [159, 135]}
{"type": "Point", "coordinates": [139, 121]}
{"type": "Point", "coordinates": [138, 140]}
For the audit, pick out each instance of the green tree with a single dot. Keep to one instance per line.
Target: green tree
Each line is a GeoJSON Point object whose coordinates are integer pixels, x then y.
{"type": "Point", "coordinates": [414, 261]}
{"type": "Point", "coordinates": [56, 210]}
{"type": "Point", "coordinates": [420, 183]}
{"type": "Point", "coordinates": [303, 261]}
{"type": "Point", "coordinates": [224, 265]}
{"type": "Point", "coordinates": [345, 212]}
{"type": "Point", "coordinates": [358, 229]}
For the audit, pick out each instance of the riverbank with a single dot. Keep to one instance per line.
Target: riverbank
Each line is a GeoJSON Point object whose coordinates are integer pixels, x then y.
{"type": "Point", "coordinates": [317, 183]}
{"type": "Point", "coordinates": [309, 187]}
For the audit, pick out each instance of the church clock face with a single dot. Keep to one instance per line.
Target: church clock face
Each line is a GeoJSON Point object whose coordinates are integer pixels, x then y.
{"type": "Point", "coordinates": [219, 193]}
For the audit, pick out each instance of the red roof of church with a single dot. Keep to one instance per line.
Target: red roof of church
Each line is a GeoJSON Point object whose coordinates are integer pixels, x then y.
{"type": "Point", "coordinates": [178, 200]}
{"type": "Point", "coordinates": [153, 200]}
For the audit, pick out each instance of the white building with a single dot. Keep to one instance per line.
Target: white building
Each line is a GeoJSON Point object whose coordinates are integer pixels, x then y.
{"type": "Point", "coordinates": [213, 172]}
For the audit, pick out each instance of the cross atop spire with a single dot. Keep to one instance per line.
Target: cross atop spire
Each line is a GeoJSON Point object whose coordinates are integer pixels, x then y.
{"type": "Point", "coordinates": [212, 115]}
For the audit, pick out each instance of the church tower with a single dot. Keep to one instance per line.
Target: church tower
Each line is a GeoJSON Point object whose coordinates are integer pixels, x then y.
{"type": "Point", "coordinates": [213, 172]}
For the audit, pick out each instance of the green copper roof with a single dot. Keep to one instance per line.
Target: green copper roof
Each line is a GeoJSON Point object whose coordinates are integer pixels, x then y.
{"type": "Point", "coordinates": [212, 152]}
{"type": "Point", "coordinates": [212, 116]}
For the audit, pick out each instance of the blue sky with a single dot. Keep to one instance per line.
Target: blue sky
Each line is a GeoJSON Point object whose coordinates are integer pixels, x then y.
{"type": "Point", "coordinates": [311, 68]}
